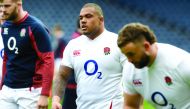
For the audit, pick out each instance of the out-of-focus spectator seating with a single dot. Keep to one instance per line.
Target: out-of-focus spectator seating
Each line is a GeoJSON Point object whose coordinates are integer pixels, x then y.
{"type": "Point", "coordinates": [168, 18]}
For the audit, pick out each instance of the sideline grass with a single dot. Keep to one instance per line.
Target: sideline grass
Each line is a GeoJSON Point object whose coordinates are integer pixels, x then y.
{"type": "Point", "coordinates": [148, 105]}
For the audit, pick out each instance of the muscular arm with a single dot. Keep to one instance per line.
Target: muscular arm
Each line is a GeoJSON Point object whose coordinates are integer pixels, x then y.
{"type": "Point", "coordinates": [60, 81]}
{"type": "Point", "coordinates": [133, 101]}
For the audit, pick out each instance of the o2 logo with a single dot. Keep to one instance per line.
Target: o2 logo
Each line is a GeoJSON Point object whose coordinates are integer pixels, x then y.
{"type": "Point", "coordinates": [2, 52]}
{"type": "Point", "coordinates": [11, 44]}
{"type": "Point", "coordinates": [157, 95]}
{"type": "Point", "coordinates": [95, 69]}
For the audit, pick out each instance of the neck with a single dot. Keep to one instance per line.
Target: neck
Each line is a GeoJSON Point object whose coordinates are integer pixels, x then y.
{"type": "Point", "coordinates": [154, 50]}
{"type": "Point", "coordinates": [21, 15]}
{"type": "Point", "coordinates": [96, 34]}
{"type": "Point", "coordinates": [1, 22]}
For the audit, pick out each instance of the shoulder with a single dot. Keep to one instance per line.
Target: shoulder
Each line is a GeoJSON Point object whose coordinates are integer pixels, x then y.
{"type": "Point", "coordinates": [109, 38]}
{"type": "Point", "coordinates": [76, 43]}
{"type": "Point", "coordinates": [171, 52]}
{"type": "Point", "coordinates": [171, 55]}
{"type": "Point", "coordinates": [79, 40]}
{"type": "Point", "coordinates": [171, 49]}
{"type": "Point", "coordinates": [6, 24]}
{"type": "Point", "coordinates": [34, 23]}
{"type": "Point", "coordinates": [111, 35]}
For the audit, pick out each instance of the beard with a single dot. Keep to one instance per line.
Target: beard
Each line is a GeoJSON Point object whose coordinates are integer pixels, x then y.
{"type": "Point", "coordinates": [144, 61]}
{"type": "Point", "coordinates": [86, 33]}
{"type": "Point", "coordinates": [92, 32]}
{"type": "Point", "coordinates": [11, 16]}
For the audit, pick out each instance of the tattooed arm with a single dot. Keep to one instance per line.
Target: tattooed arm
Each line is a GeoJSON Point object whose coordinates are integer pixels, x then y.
{"type": "Point", "coordinates": [59, 85]}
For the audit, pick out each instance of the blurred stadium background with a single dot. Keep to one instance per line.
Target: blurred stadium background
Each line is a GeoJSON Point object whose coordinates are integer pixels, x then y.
{"type": "Point", "coordinates": [168, 18]}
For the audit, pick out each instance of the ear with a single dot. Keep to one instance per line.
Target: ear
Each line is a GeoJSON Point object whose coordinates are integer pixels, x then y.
{"type": "Point", "coordinates": [19, 2]}
{"type": "Point", "coordinates": [101, 19]}
{"type": "Point", "coordinates": [147, 45]}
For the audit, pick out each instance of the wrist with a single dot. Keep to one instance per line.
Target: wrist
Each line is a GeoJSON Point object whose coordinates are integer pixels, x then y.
{"type": "Point", "coordinates": [56, 99]}
{"type": "Point", "coordinates": [43, 96]}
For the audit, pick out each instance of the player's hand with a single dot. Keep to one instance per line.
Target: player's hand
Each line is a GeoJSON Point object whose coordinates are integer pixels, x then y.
{"type": "Point", "coordinates": [56, 103]}
{"type": "Point", "coordinates": [43, 102]}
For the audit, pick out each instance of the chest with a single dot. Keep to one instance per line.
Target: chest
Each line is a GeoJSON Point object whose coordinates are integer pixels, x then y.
{"type": "Point", "coordinates": [101, 53]}
{"type": "Point", "coordinates": [161, 87]}
{"type": "Point", "coordinates": [96, 60]}
{"type": "Point", "coordinates": [16, 39]}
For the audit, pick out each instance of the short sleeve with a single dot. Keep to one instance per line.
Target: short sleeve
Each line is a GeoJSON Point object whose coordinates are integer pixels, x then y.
{"type": "Point", "coordinates": [128, 72]}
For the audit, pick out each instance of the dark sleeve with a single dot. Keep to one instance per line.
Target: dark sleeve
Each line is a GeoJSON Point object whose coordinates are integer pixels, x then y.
{"type": "Point", "coordinates": [42, 45]}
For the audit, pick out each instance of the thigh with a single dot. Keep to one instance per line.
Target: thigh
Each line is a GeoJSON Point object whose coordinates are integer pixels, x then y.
{"type": "Point", "coordinates": [7, 99]}
{"type": "Point", "coordinates": [7, 104]}
{"type": "Point", "coordinates": [28, 99]}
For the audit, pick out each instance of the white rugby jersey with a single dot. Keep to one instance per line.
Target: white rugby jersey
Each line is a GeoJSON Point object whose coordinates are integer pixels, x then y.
{"type": "Point", "coordinates": [98, 70]}
{"type": "Point", "coordinates": [166, 83]}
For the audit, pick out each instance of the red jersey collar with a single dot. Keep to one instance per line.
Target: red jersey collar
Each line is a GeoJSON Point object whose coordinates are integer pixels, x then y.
{"type": "Point", "coordinates": [23, 19]}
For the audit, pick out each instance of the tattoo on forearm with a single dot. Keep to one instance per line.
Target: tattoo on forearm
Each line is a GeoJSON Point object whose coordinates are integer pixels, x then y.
{"type": "Point", "coordinates": [59, 84]}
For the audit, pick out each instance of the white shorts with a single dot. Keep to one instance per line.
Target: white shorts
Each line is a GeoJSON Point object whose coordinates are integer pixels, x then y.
{"type": "Point", "coordinates": [113, 104]}
{"type": "Point", "coordinates": [22, 98]}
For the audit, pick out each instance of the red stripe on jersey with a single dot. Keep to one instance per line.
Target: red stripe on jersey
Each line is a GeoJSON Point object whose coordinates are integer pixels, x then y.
{"type": "Point", "coordinates": [44, 68]}
{"type": "Point", "coordinates": [71, 86]}
{"type": "Point", "coordinates": [23, 19]}
{"type": "Point", "coordinates": [110, 106]}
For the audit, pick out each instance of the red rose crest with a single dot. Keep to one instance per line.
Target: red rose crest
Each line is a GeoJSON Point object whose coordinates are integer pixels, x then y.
{"type": "Point", "coordinates": [168, 80]}
{"type": "Point", "coordinates": [106, 50]}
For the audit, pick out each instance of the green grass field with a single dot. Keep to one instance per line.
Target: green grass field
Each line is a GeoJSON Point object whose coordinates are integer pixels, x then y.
{"type": "Point", "coordinates": [147, 105]}
{"type": "Point", "coordinates": [50, 101]}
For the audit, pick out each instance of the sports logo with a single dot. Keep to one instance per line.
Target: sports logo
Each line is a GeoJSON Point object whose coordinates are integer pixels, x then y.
{"type": "Point", "coordinates": [168, 80]}
{"type": "Point", "coordinates": [22, 32]}
{"type": "Point", "coordinates": [137, 82]}
{"type": "Point", "coordinates": [76, 52]}
{"type": "Point", "coordinates": [106, 50]}
{"type": "Point", "coordinates": [5, 31]}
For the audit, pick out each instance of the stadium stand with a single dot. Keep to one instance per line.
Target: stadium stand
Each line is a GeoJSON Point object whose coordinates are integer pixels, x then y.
{"type": "Point", "coordinates": [168, 18]}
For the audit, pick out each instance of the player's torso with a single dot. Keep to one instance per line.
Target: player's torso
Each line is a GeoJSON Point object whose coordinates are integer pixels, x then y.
{"type": "Point", "coordinates": [96, 57]}
{"type": "Point", "coordinates": [163, 85]}
{"type": "Point", "coordinates": [98, 70]}
{"type": "Point", "coordinates": [18, 47]}
{"type": "Point", "coordinates": [16, 40]}
{"type": "Point", "coordinates": [166, 90]}
{"type": "Point", "coordinates": [18, 37]}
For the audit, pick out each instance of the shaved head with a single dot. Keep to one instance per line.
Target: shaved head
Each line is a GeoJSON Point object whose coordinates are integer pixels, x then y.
{"type": "Point", "coordinates": [97, 8]}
